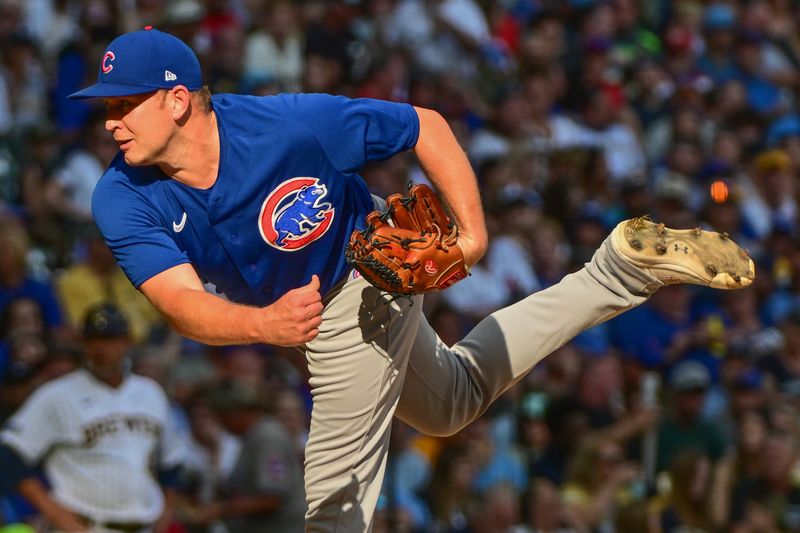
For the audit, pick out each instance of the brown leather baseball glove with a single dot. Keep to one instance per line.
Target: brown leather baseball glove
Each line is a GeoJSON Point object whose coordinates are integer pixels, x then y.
{"type": "Point", "coordinates": [415, 252]}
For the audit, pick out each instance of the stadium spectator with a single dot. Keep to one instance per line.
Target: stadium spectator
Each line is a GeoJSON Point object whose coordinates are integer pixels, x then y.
{"type": "Point", "coordinates": [577, 114]}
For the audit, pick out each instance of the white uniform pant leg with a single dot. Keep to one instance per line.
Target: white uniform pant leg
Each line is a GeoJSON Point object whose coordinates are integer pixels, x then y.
{"type": "Point", "coordinates": [357, 366]}
{"type": "Point", "coordinates": [447, 388]}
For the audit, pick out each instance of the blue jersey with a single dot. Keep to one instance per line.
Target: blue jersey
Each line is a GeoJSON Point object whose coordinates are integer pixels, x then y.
{"type": "Point", "coordinates": [286, 198]}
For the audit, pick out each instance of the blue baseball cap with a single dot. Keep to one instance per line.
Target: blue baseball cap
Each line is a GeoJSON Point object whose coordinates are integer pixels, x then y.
{"type": "Point", "coordinates": [144, 61]}
{"type": "Point", "coordinates": [719, 17]}
{"type": "Point", "coordinates": [786, 126]}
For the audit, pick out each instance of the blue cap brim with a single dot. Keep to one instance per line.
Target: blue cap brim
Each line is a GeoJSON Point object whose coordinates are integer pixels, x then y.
{"type": "Point", "coordinates": [108, 90]}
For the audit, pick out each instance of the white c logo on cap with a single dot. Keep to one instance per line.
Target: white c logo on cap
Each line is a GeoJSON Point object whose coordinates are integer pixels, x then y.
{"type": "Point", "coordinates": [106, 65]}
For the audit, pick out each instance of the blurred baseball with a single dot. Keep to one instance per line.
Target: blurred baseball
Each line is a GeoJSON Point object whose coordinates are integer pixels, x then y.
{"type": "Point", "coordinates": [719, 191]}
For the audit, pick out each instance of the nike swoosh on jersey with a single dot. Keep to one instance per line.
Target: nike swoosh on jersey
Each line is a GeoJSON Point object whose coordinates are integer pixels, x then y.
{"type": "Point", "coordinates": [179, 227]}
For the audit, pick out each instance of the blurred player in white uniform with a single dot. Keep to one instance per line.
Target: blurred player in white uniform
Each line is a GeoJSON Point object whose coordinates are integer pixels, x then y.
{"type": "Point", "coordinates": [102, 437]}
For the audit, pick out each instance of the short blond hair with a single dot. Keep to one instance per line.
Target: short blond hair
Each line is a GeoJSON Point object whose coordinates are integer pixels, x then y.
{"type": "Point", "coordinates": [202, 98]}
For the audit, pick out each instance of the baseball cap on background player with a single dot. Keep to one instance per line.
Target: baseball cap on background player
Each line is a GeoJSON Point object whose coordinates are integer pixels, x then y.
{"type": "Point", "coordinates": [105, 321]}
{"type": "Point", "coordinates": [143, 61]}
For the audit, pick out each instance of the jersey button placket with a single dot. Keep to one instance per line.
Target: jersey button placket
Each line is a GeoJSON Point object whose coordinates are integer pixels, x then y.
{"type": "Point", "coordinates": [235, 237]}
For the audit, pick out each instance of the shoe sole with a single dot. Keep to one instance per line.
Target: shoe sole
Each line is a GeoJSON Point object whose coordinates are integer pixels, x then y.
{"type": "Point", "coordinates": [684, 256]}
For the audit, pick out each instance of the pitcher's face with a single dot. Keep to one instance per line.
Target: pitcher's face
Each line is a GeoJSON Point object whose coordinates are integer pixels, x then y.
{"type": "Point", "coordinates": [142, 126]}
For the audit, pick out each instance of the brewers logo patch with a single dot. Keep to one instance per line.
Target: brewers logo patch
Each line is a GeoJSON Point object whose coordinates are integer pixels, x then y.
{"type": "Point", "coordinates": [294, 215]}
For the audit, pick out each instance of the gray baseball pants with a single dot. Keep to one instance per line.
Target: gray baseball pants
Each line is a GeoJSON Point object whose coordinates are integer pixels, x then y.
{"type": "Point", "coordinates": [375, 358]}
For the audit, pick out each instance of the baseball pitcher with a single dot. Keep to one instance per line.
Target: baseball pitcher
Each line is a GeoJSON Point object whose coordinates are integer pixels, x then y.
{"type": "Point", "coordinates": [261, 196]}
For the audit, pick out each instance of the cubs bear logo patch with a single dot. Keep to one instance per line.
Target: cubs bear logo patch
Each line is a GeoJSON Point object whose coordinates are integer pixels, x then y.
{"type": "Point", "coordinates": [294, 214]}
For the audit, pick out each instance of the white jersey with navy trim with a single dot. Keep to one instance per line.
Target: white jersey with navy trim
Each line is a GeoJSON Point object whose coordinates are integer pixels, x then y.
{"type": "Point", "coordinates": [100, 445]}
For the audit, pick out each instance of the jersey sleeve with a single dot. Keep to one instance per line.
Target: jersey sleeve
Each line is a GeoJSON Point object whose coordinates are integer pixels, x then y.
{"type": "Point", "coordinates": [354, 131]}
{"type": "Point", "coordinates": [133, 230]}
{"type": "Point", "coordinates": [35, 427]}
{"type": "Point", "coordinates": [274, 459]}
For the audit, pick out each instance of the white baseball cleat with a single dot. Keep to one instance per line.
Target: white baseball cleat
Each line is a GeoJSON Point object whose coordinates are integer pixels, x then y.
{"type": "Point", "coordinates": [683, 256]}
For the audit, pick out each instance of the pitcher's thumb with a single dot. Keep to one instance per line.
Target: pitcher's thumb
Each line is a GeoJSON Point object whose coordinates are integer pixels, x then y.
{"type": "Point", "coordinates": [313, 284]}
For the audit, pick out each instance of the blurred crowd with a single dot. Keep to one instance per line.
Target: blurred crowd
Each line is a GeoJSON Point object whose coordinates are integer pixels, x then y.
{"type": "Point", "coordinates": [681, 415]}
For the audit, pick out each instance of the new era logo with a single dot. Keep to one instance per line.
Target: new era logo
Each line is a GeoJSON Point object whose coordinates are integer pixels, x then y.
{"type": "Point", "coordinates": [169, 76]}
